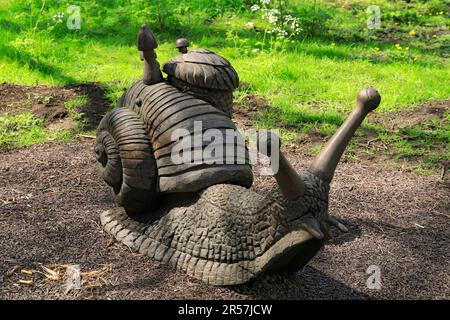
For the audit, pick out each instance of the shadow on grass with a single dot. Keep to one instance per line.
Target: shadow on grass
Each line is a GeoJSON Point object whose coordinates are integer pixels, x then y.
{"type": "Point", "coordinates": [293, 120]}
{"type": "Point", "coordinates": [24, 58]}
{"type": "Point", "coordinates": [122, 32]}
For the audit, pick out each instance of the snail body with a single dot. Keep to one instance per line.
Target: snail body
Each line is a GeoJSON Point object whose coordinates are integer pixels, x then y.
{"type": "Point", "coordinates": [226, 234]}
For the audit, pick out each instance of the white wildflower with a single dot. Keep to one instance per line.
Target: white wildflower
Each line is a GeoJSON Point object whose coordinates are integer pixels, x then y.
{"type": "Point", "coordinates": [265, 1]}
{"type": "Point", "coordinates": [272, 16]}
{"type": "Point", "coordinates": [255, 7]}
{"type": "Point", "coordinates": [58, 16]}
{"type": "Point", "coordinates": [249, 24]}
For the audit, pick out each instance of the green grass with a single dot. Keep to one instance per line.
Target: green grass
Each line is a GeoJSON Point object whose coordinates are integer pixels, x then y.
{"type": "Point", "coordinates": [24, 129]}
{"type": "Point", "coordinates": [310, 81]}
{"type": "Point", "coordinates": [298, 77]}
{"type": "Point", "coordinates": [73, 107]}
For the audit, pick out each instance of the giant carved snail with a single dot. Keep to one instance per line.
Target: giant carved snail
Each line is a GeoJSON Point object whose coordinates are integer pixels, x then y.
{"type": "Point", "coordinates": [201, 217]}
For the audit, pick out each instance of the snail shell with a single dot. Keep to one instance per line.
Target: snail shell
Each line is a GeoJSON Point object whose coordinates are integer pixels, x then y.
{"type": "Point", "coordinates": [163, 109]}
{"type": "Point", "coordinates": [134, 147]}
{"type": "Point", "coordinates": [126, 161]}
{"type": "Point", "coordinates": [135, 142]}
{"type": "Point", "coordinates": [203, 68]}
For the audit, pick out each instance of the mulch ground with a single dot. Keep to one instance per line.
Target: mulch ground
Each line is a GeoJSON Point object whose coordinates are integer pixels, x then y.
{"type": "Point", "coordinates": [51, 196]}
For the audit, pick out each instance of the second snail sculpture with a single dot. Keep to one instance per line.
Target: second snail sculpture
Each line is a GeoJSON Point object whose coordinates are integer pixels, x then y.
{"type": "Point", "coordinates": [201, 217]}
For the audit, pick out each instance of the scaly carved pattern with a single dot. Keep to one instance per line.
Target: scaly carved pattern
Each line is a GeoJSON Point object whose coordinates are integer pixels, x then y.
{"type": "Point", "coordinates": [229, 234]}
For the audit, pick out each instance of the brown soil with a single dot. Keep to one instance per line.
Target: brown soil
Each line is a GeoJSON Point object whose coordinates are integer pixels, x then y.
{"type": "Point", "coordinates": [252, 107]}
{"type": "Point", "coordinates": [421, 114]}
{"type": "Point", "coordinates": [48, 103]}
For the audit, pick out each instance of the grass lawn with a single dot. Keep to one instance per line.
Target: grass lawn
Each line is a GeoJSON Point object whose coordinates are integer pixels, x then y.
{"type": "Point", "coordinates": [309, 79]}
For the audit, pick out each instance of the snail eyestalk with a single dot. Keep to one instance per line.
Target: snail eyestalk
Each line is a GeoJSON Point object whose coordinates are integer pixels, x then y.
{"type": "Point", "coordinates": [182, 44]}
{"type": "Point", "coordinates": [146, 43]}
{"type": "Point", "coordinates": [290, 183]}
{"type": "Point", "coordinates": [326, 162]}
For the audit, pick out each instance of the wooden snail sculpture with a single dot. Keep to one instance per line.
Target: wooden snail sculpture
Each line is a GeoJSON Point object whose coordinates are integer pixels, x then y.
{"type": "Point", "coordinates": [201, 217]}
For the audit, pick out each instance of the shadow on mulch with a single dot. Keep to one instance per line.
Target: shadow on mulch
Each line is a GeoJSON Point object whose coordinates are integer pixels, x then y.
{"type": "Point", "coordinates": [302, 285]}
{"type": "Point", "coordinates": [338, 238]}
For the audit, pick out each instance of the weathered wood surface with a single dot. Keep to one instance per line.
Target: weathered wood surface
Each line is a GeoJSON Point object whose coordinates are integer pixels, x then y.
{"type": "Point", "coordinates": [164, 110]}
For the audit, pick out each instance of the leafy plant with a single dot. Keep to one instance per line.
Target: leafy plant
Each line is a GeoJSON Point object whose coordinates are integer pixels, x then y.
{"type": "Point", "coordinates": [313, 19]}
{"type": "Point", "coordinates": [438, 6]}
{"type": "Point", "coordinates": [401, 16]}
{"type": "Point", "coordinates": [280, 24]}
{"type": "Point", "coordinates": [73, 107]}
{"type": "Point", "coordinates": [22, 130]}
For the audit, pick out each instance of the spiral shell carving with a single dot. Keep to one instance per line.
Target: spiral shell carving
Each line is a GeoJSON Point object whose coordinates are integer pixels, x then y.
{"type": "Point", "coordinates": [126, 161]}
{"type": "Point", "coordinates": [162, 109]}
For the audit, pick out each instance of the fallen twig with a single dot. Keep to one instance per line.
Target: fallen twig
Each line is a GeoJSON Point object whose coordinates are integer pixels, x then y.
{"type": "Point", "coordinates": [371, 140]}
{"type": "Point", "coordinates": [87, 136]}
{"type": "Point", "coordinates": [28, 272]}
